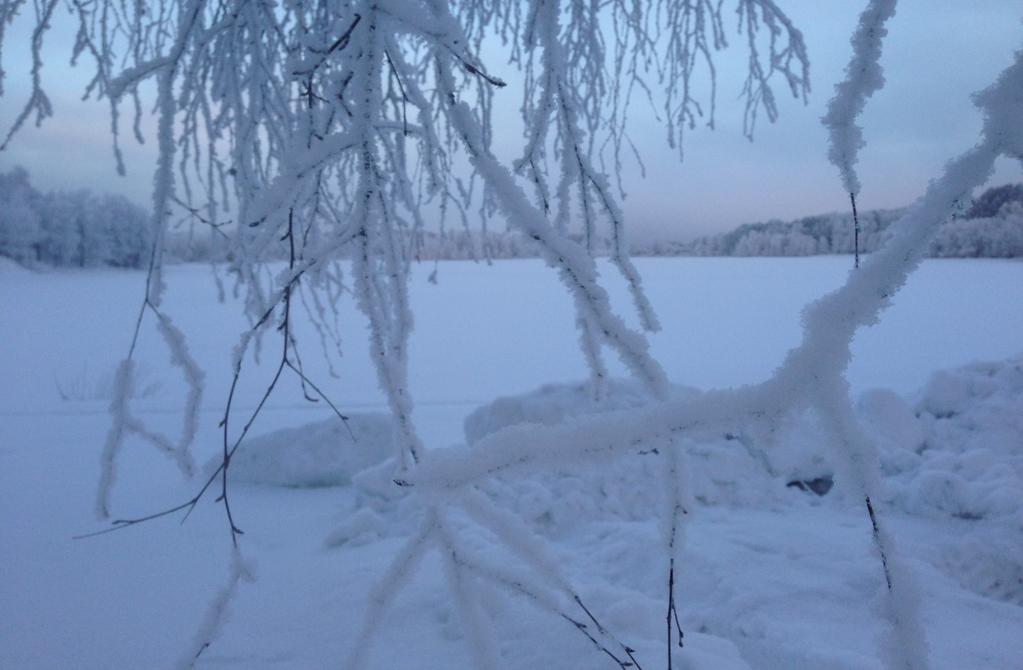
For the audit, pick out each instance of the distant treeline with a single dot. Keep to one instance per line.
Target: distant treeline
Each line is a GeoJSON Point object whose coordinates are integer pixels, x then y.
{"type": "Point", "coordinates": [464, 244]}
{"type": "Point", "coordinates": [73, 228]}
{"type": "Point", "coordinates": [991, 227]}
{"type": "Point", "coordinates": [420, 246]}
{"type": "Point", "coordinates": [81, 229]}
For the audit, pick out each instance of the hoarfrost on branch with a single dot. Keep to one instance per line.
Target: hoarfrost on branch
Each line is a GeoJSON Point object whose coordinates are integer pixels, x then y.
{"type": "Point", "coordinates": [324, 128]}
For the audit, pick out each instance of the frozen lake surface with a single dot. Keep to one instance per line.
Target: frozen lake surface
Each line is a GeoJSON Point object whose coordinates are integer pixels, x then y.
{"type": "Point", "coordinates": [776, 580]}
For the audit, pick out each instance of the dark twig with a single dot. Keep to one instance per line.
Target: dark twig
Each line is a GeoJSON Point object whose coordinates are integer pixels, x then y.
{"type": "Point", "coordinates": [196, 215]}
{"type": "Point", "coordinates": [856, 231]}
{"type": "Point", "coordinates": [404, 95]}
{"type": "Point", "coordinates": [672, 611]}
{"type": "Point", "coordinates": [339, 44]}
{"type": "Point", "coordinates": [877, 541]}
{"type": "Point", "coordinates": [229, 448]}
{"type": "Point", "coordinates": [582, 628]}
{"type": "Point", "coordinates": [472, 69]}
{"type": "Point", "coordinates": [628, 650]}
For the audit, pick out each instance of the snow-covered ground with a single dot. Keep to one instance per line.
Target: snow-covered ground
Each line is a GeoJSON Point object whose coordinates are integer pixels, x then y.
{"type": "Point", "coordinates": [774, 577]}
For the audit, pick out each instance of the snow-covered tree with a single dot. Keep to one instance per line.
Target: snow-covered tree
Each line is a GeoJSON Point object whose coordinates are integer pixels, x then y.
{"type": "Point", "coordinates": [990, 202]}
{"type": "Point", "coordinates": [70, 228]}
{"type": "Point", "coordinates": [64, 230]}
{"type": "Point", "coordinates": [326, 125]}
{"type": "Point", "coordinates": [20, 227]}
{"type": "Point", "coordinates": [991, 236]}
{"type": "Point", "coordinates": [125, 227]}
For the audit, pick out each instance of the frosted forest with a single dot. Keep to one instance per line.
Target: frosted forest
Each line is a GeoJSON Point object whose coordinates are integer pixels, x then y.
{"type": "Point", "coordinates": [269, 421]}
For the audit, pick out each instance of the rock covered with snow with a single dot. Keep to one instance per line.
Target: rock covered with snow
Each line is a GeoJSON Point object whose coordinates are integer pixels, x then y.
{"type": "Point", "coordinates": [325, 453]}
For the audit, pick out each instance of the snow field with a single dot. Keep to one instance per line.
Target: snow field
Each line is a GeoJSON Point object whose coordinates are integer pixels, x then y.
{"type": "Point", "coordinates": [773, 577]}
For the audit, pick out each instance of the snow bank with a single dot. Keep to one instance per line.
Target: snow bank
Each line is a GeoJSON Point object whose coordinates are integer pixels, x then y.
{"type": "Point", "coordinates": [553, 403]}
{"type": "Point", "coordinates": [971, 467]}
{"type": "Point", "coordinates": [10, 266]}
{"type": "Point", "coordinates": [725, 469]}
{"type": "Point", "coordinates": [955, 449]}
{"type": "Point", "coordinates": [988, 560]}
{"type": "Point", "coordinates": [710, 652]}
{"type": "Point", "coordinates": [325, 453]}
{"type": "Point", "coordinates": [970, 462]}
{"type": "Point", "coordinates": [952, 452]}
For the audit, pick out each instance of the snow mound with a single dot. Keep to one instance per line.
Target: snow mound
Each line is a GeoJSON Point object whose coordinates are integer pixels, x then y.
{"type": "Point", "coordinates": [10, 266]}
{"type": "Point", "coordinates": [989, 561]}
{"type": "Point", "coordinates": [709, 652]}
{"type": "Point", "coordinates": [970, 462]}
{"type": "Point", "coordinates": [891, 421]}
{"type": "Point", "coordinates": [553, 403]}
{"type": "Point", "coordinates": [361, 527]}
{"type": "Point", "coordinates": [724, 469]}
{"type": "Point", "coordinates": [325, 453]}
{"type": "Point", "coordinates": [953, 450]}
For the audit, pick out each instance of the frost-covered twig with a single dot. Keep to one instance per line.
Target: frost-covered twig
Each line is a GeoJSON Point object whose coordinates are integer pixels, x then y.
{"type": "Point", "coordinates": [824, 353]}
{"type": "Point", "coordinates": [398, 573]}
{"type": "Point", "coordinates": [576, 268]}
{"type": "Point", "coordinates": [812, 374]}
{"type": "Point", "coordinates": [676, 497]}
{"type": "Point", "coordinates": [481, 642]}
{"type": "Point", "coordinates": [863, 77]}
{"type": "Point", "coordinates": [334, 125]}
{"type": "Point", "coordinates": [786, 56]}
{"type": "Point", "coordinates": [124, 422]}
{"type": "Point", "coordinates": [38, 102]}
{"type": "Point", "coordinates": [213, 619]}
{"type": "Point", "coordinates": [559, 100]}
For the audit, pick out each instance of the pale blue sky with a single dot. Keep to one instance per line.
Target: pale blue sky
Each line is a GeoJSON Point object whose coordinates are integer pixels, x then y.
{"type": "Point", "coordinates": [937, 53]}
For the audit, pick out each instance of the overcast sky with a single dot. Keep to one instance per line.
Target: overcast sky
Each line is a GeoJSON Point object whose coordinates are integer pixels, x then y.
{"type": "Point", "coordinates": [937, 53]}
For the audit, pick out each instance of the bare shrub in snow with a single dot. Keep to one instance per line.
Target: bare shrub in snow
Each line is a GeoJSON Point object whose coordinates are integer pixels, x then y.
{"type": "Point", "coordinates": [86, 385]}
